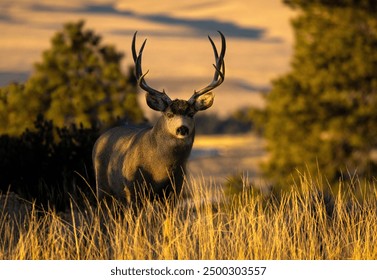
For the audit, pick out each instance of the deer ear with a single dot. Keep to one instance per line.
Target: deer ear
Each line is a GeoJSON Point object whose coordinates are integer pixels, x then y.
{"type": "Point", "coordinates": [203, 102]}
{"type": "Point", "coordinates": [158, 102]}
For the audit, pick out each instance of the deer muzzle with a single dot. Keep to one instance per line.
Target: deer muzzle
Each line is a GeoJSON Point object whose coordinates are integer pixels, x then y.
{"type": "Point", "coordinates": [182, 131]}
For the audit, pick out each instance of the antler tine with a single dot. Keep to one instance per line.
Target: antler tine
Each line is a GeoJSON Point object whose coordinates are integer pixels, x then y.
{"type": "Point", "coordinates": [219, 62]}
{"type": "Point", "coordinates": [133, 48]}
{"type": "Point", "coordinates": [219, 75]}
{"type": "Point", "coordinates": [138, 70]}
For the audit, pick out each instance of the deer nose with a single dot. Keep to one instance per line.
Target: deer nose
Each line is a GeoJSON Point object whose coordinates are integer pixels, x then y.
{"type": "Point", "coordinates": [182, 131]}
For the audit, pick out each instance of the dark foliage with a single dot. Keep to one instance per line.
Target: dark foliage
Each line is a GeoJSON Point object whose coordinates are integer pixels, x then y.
{"type": "Point", "coordinates": [321, 115]}
{"type": "Point", "coordinates": [368, 5]}
{"type": "Point", "coordinates": [78, 80]}
{"type": "Point", "coordinates": [213, 124]}
{"type": "Point", "coordinates": [78, 84]}
{"type": "Point", "coordinates": [49, 164]}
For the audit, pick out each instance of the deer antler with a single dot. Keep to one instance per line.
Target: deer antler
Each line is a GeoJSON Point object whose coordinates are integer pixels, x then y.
{"type": "Point", "coordinates": [219, 75]}
{"type": "Point", "coordinates": [139, 72]}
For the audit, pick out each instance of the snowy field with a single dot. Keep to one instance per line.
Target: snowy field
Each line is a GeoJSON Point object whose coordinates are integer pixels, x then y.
{"type": "Point", "coordinates": [216, 158]}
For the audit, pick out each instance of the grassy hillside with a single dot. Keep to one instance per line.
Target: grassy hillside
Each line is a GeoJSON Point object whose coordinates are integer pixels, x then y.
{"type": "Point", "coordinates": [305, 223]}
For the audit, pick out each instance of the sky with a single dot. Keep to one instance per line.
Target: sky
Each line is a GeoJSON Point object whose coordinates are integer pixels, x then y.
{"type": "Point", "coordinates": [178, 53]}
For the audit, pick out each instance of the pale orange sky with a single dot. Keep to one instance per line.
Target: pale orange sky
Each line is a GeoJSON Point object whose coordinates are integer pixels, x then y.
{"type": "Point", "coordinates": [178, 54]}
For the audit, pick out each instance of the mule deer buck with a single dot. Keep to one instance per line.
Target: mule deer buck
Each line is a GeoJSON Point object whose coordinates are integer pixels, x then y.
{"type": "Point", "coordinates": [132, 160]}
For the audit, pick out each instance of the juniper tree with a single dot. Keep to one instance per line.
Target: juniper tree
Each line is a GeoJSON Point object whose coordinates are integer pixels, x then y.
{"type": "Point", "coordinates": [79, 80]}
{"type": "Point", "coordinates": [322, 115]}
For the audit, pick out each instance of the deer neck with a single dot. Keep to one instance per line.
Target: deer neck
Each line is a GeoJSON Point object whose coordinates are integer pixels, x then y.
{"type": "Point", "coordinates": [168, 146]}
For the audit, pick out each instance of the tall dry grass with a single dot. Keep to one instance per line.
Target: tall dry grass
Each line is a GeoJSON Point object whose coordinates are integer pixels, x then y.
{"type": "Point", "coordinates": [303, 223]}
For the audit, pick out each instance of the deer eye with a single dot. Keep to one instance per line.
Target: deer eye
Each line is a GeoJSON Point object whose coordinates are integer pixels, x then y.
{"type": "Point", "coordinates": [169, 115]}
{"type": "Point", "coordinates": [191, 115]}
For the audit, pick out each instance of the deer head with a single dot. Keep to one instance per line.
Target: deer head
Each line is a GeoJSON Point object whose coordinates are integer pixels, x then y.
{"type": "Point", "coordinates": [178, 114]}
